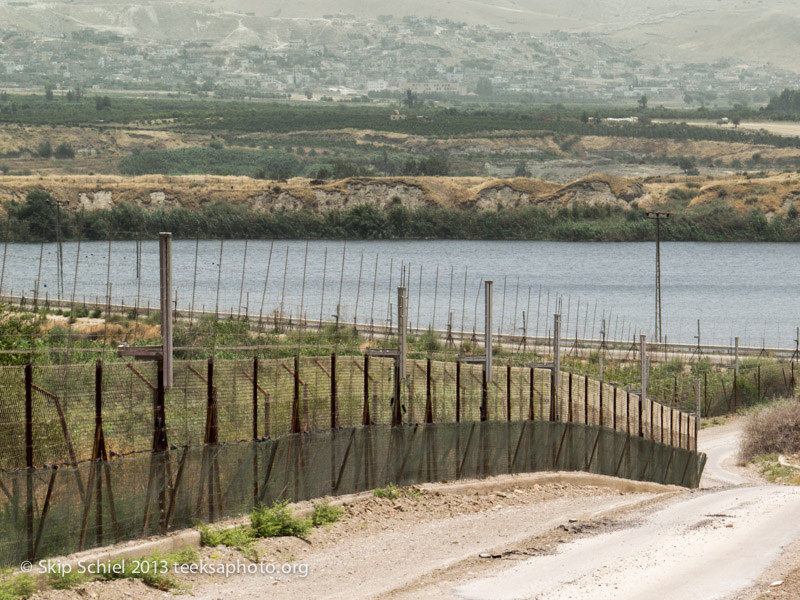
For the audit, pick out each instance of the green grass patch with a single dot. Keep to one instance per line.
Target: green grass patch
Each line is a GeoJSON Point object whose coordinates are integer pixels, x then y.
{"type": "Point", "coordinates": [769, 465]}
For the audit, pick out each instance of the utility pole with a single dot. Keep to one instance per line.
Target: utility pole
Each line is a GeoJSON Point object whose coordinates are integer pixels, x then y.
{"type": "Point", "coordinates": [658, 216]}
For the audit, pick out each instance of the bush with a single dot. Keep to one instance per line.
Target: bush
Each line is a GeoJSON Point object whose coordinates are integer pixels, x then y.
{"type": "Point", "coordinates": [44, 149]}
{"type": "Point", "coordinates": [64, 150]}
{"type": "Point", "coordinates": [774, 429]}
{"type": "Point", "coordinates": [324, 514]}
{"type": "Point", "coordinates": [80, 311]}
{"type": "Point", "coordinates": [391, 492]}
{"type": "Point", "coordinates": [16, 587]}
{"type": "Point", "coordinates": [278, 521]}
{"type": "Point", "coordinates": [96, 313]}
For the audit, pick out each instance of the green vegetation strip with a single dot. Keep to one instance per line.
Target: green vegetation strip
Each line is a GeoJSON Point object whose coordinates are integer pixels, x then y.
{"type": "Point", "coordinates": [267, 522]}
{"type": "Point", "coordinates": [154, 570]}
{"type": "Point", "coordinates": [29, 221]}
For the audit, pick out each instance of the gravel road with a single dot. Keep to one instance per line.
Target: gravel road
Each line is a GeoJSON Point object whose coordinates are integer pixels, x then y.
{"type": "Point", "coordinates": [713, 543]}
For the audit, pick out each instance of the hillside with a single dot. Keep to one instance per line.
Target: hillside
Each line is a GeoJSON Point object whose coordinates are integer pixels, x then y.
{"type": "Point", "coordinates": [700, 31]}
{"type": "Point", "coordinates": [772, 194]}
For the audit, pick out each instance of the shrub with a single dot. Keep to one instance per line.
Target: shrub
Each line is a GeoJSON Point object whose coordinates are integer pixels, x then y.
{"type": "Point", "coordinates": [391, 492]}
{"type": "Point", "coordinates": [773, 429]}
{"type": "Point", "coordinates": [14, 588]}
{"type": "Point", "coordinates": [64, 150]}
{"type": "Point", "coordinates": [324, 514]}
{"type": "Point", "coordinates": [44, 149]}
{"type": "Point", "coordinates": [278, 521]}
{"type": "Point", "coordinates": [96, 313]}
{"type": "Point", "coordinates": [80, 311]}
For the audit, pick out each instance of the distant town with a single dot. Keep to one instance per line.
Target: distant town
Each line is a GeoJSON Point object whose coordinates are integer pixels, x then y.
{"type": "Point", "coordinates": [345, 58]}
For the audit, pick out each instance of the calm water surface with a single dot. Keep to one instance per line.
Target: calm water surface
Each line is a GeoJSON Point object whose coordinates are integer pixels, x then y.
{"type": "Point", "coordinates": [749, 290]}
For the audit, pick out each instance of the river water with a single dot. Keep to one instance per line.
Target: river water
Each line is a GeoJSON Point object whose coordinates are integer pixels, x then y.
{"type": "Point", "coordinates": [748, 290]}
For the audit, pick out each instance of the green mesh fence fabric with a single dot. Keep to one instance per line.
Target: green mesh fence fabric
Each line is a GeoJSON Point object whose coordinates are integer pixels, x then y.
{"type": "Point", "coordinates": [52, 511]}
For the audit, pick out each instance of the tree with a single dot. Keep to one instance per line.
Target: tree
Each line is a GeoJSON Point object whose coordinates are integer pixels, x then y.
{"type": "Point", "coordinates": [521, 170]}
{"type": "Point", "coordinates": [643, 102]}
{"type": "Point", "coordinates": [102, 102]}
{"type": "Point", "coordinates": [64, 150]}
{"type": "Point", "coordinates": [484, 87]}
{"type": "Point", "coordinates": [309, 95]}
{"type": "Point", "coordinates": [44, 149]}
{"type": "Point", "coordinates": [48, 93]}
{"type": "Point", "coordinates": [411, 100]}
{"type": "Point", "coordinates": [687, 164]}
{"type": "Point", "coordinates": [736, 121]}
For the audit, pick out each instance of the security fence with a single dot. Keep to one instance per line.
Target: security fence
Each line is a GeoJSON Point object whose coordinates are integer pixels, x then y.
{"type": "Point", "coordinates": [98, 453]}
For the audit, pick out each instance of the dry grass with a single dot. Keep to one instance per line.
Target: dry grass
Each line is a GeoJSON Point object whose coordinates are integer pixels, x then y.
{"type": "Point", "coordinates": [773, 429]}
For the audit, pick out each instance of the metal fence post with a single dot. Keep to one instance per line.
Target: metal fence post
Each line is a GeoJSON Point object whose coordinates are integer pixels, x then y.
{"type": "Point", "coordinates": [296, 398]}
{"type": "Point", "coordinates": [585, 400]}
{"type": "Point", "coordinates": [334, 391]}
{"type": "Point", "coordinates": [488, 329]}
{"type": "Point", "coordinates": [365, 418]}
{"type": "Point", "coordinates": [569, 399]}
{"type": "Point", "coordinates": [458, 391]}
{"type": "Point", "coordinates": [29, 457]}
{"type": "Point", "coordinates": [428, 398]}
{"type": "Point", "coordinates": [643, 394]}
{"type": "Point", "coordinates": [555, 379]}
{"type": "Point", "coordinates": [255, 398]}
{"type": "Point", "coordinates": [98, 424]}
{"type": "Point", "coordinates": [508, 392]}
{"type": "Point", "coordinates": [698, 414]}
{"type": "Point", "coordinates": [531, 411]}
{"type": "Point", "coordinates": [484, 397]}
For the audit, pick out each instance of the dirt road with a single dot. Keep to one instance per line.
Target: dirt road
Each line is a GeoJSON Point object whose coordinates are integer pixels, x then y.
{"type": "Point", "coordinates": [711, 544]}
